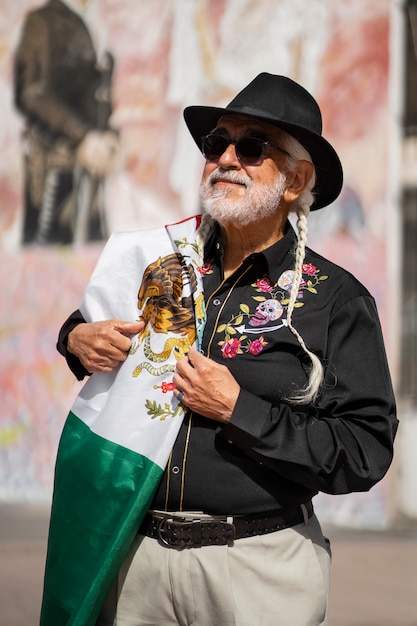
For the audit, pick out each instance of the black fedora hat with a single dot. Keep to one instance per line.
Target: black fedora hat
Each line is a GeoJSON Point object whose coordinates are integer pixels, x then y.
{"type": "Point", "coordinates": [284, 103]}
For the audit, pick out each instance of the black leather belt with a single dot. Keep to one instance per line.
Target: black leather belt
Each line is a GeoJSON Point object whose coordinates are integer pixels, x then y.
{"type": "Point", "coordinates": [176, 531]}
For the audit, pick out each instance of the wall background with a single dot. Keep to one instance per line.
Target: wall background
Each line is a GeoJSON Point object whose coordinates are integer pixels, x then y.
{"type": "Point", "coordinates": [168, 54]}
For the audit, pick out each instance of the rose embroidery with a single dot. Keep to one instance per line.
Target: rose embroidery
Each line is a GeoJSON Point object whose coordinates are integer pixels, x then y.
{"type": "Point", "coordinates": [230, 348]}
{"type": "Point", "coordinates": [264, 284]}
{"type": "Point", "coordinates": [256, 347]}
{"type": "Point", "coordinates": [206, 268]}
{"type": "Point", "coordinates": [309, 269]}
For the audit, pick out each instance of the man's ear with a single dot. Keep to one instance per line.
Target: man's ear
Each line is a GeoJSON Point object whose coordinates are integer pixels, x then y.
{"type": "Point", "coordinates": [297, 180]}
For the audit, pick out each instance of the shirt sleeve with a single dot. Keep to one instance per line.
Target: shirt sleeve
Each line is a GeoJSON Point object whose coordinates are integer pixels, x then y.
{"type": "Point", "coordinates": [345, 442]}
{"type": "Point", "coordinates": [75, 365]}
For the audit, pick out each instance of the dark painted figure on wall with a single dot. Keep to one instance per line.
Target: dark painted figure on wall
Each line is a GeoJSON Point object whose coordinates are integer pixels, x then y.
{"type": "Point", "coordinates": [64, 95]}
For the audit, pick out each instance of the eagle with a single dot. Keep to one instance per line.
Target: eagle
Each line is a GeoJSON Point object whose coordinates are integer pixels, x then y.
{"type": "Point", "coordinates": [160, 296]}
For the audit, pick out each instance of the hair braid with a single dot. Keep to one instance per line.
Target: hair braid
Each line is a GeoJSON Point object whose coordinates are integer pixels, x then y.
{"type": "Point", "coordinates": [310, 391]}
{"type": "Point", "coordinates": [204, 230]}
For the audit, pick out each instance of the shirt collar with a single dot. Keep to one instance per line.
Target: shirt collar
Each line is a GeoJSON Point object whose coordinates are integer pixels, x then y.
{"type": "Point", "coordinates": [276, 254]}
{"type": "Point", "coordinates": [273, 256]}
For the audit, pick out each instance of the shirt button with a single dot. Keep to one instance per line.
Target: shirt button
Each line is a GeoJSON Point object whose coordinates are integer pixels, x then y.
{"type": "Point", "coordinates": [175, 469]}
{"type": "Point", "coordinates": [216, 302]}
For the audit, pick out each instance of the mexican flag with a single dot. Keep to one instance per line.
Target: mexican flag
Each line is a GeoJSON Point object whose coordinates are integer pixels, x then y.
{"type": "Point", "coordinates": [121, 428]}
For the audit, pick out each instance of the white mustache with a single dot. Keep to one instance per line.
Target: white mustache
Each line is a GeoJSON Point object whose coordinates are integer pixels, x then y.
{"type": "Point", "coordinates": [229, 176]}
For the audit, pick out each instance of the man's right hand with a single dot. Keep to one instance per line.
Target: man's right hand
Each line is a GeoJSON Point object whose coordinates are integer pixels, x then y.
{"type": "Point", "coordinates": [101, 346]}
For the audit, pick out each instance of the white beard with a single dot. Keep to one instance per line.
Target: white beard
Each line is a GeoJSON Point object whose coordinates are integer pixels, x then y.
{"type": "Point", "coordinates": [259, 202]}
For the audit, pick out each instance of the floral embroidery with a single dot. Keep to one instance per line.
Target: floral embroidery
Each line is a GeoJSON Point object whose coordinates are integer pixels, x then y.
{"type": "Point", "coordinates": [232, 346]}
{"type": "Point", "coordinates": [255, 347]}
{"type": "Point", "coordinates": [309, 269]}
{"type": "Point", "coordinates": [272, 302]}
{"type": "Point", "coordinates": [206, 268]}
{"type": "Point", "coordinates": [264, 284]}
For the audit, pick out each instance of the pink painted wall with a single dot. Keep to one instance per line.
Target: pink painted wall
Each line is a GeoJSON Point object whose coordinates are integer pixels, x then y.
{"type": "Point", "coordinates": [169, 54]}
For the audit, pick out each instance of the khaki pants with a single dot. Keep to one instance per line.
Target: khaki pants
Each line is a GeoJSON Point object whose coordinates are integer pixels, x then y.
{"type": "Point", "coordinates": [278, 579]}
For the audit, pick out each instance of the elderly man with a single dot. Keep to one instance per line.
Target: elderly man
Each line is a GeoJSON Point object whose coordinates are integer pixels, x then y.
{"type": "Point", "coordinates": [288, 395]}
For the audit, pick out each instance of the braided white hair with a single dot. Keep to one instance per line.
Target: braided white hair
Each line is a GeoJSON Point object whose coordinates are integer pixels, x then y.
{"type": "Point", "coordinates": [301, 207]}
{"type": "Point", "coordinates": [206, 226]}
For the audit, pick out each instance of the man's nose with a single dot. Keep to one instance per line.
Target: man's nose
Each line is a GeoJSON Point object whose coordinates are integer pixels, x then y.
{"type": "Point", "coordinates": [229, 159]}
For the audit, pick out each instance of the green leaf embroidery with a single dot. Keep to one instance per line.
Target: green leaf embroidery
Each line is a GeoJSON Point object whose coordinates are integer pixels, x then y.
{"type": "Point", "coordinates": [222, 328]}
{"type": "Point", "coordinates": [155, 410]}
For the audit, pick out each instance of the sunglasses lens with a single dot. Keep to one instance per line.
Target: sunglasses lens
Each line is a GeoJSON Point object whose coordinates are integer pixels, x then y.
{"type": "Point", "coordinates": [249, 149]}
{"type": "Point", "coordinates": [214, 146]}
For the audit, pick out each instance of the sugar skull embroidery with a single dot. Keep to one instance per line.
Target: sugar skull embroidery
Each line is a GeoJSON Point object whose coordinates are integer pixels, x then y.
{"type": "Point", "coordinates": [267, 311]}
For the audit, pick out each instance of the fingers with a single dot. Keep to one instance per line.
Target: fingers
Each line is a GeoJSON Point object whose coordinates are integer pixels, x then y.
{"type": "Point", "coordinates": [205, 386]}
{"type": "Point", "coordinates": [101, 346]}
{"type": "Point", "coordinates": [194, 356]}
{"type": "Point", "coordinates": [184, 375]}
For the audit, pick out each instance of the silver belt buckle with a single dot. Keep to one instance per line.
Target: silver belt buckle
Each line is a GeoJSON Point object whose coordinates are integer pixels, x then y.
{"type": "Point", "coordinates": [161, 528]}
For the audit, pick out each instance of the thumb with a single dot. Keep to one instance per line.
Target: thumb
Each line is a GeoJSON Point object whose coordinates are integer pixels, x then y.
{"type": "Point", "coordinates": [128, 328]}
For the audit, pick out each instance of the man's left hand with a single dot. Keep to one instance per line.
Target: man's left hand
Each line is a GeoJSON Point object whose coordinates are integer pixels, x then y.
{"type": "Point", "coordinates": [208, 388]}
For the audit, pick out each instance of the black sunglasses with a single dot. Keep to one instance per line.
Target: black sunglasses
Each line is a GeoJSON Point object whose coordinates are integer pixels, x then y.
{"type": "Point", "coordinates": [249, 150]}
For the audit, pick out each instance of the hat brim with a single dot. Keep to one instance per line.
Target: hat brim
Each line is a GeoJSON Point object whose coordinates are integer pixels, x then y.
{"type": "Point", "coordinates": [201, 120]}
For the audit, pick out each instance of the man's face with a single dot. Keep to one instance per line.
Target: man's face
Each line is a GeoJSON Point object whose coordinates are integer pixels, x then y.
{"type": "Point", "coordinates": [232, 191]}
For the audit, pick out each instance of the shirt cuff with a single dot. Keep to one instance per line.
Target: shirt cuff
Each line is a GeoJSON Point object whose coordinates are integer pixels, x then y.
{"type": "Point", "coordinates": [247, 421]}
{"type": "Point", "coordinates": [73, 362]}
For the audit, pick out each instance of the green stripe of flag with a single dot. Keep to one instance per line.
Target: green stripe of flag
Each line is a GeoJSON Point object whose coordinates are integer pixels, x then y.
{"type": "Point", "coordinates": [102, 491]}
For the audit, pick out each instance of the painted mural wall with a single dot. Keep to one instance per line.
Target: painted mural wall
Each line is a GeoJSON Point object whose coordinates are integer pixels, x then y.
{"type": "Point", "coordinates": [153, 58]}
